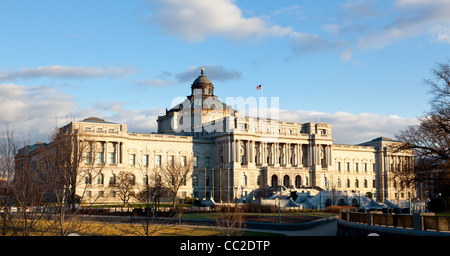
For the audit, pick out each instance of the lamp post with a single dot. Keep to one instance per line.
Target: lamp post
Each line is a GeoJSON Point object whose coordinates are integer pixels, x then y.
{"type": "Point", "coordinates": [279, 207]}
{"type": "Point", "coordinates": [409, 199]}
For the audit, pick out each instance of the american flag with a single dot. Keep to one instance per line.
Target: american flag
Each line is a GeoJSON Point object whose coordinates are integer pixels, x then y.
{"type": "Point", "coordinates": [258, 87]}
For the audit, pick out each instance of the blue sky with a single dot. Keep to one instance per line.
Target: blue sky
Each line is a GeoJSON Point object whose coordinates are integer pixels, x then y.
{"type": "Point", "coordinates": [357, 64]}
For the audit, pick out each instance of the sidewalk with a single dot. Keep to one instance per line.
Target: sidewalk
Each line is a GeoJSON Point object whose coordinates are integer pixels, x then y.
{"type": "Point", "coordinates": [326, 229]}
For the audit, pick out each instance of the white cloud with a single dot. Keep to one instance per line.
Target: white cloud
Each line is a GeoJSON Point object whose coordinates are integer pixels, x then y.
{"type": "Point", "coordinates": [346, 55]}
{"type": "Point", "coordinates": [349, 128]}
{"type": "Point", "coordinates": [415, 18]}
{"type": "Point", "coordinates": [302, 43]}
{"type": "Point", "coordinates": [137, 120]}
{"type": "Point", "coordinates": [57, 71]}
{"type": "Point", "coordinates": [33, 110]}
{"type": "Point", "coordinates": [333, 29]}
{"type": "Point", "coordinates": [195, 20]}
{"type": "Point", "coordinates": [441, 33]}
{"type": "Point", "coordinates": [219, 73]}
{"type": "Point", "coordinates": [160, 83]}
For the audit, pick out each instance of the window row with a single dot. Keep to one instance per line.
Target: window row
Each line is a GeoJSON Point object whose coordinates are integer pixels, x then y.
{"type": "Point", "coordinates": [364, 167]}
{"type": "Point", "coordinates": [131, 180]}
{"type": "Point", "coordinates": [356, 184]}
{"type": "Point", "coordinates": [112, 179]}
{"type": "Point", "coordinates": [298, 183]}
{"type": "Point", "coordinates": [133, 161]}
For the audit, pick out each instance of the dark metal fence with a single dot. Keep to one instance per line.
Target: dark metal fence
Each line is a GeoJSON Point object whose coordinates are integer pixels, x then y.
{"type": "Point", "coordinates": [416, 221]}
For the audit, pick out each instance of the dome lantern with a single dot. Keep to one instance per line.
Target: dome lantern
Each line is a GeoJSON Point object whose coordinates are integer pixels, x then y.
{"type": "Point", "coordinates": [202, 85]}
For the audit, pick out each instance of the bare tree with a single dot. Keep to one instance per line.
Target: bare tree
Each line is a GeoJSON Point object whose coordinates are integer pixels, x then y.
{"type": "Point", "coordinates": [57, 173]}
{"type": "Point", "coordinates": [153, 188]}
{"type": "Point", "coordinates": [176, 173]}
{"type": "Point", "coordinates": [7, 153]}
{"type": "Point", "coordinates": [21, 192]}
{"type": "Point", "coordinates": [125, 186]}
{"type": "Point", "coordinates": [149, 193]}
{"type": "Point", "coordinates": [430, 139]}
{"type": "Point", "coordinates": [230, 220]}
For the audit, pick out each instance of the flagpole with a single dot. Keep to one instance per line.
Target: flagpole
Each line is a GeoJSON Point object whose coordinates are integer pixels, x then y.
{"type": "Point", "coordinates": [262, 90]}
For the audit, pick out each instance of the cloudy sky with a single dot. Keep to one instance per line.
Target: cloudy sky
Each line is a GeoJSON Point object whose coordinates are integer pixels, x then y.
{"type": "Point", "coordinates": [357, 64]}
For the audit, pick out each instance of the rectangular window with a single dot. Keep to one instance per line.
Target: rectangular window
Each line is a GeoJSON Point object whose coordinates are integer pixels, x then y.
{"type": "Point", "coordinates": [356, 167]}
{"type": "Point", "coordinates": [195, 160]}
{"type": "Point", "coordinates": [112, 158]}
{"type": "Point", "coordinates": [183, 161]}
{"type": "Point", "coordinates": [158, 160]}
{"type": "Point", "coordinates": [338, 166]}
{"type": "Point", "coordinates": [365, 167]}
{"type": "Point", "coordinates": [145, 160]}
{"type": "Point", "coordinates": [87, 157]}
{"type": "Point", "coordinates": [132, 159]}
{"type": "Point", "coordinates": [347, 167]}
{"type": "Point", "coordinates": [100, 158]}
{"type": "Point", "coordinates": [207, 162]}
{"type": "Point", "coordinates": [171, 162]}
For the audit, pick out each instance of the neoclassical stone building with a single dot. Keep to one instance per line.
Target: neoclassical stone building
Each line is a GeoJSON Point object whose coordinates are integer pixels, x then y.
{"type": "Point", "coordinates": [237, 158]}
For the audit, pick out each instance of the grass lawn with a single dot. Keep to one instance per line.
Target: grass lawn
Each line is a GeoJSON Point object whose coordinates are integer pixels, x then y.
{"type": "Point", "coordinates": [100, 229]}
{"type": "Point", "coordinates": [213, 216]}
{"type": "Point", "coordinates": [95, 228]}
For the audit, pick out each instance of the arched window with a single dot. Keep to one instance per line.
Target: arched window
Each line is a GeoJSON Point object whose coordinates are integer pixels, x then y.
{"type": "Point", "coordinates": [298, 181]}
{"type": "Point", "coordinates": [348, 183]}
{"type": "Point", "coordinates": [244, 180]}
{"type": "Point", "coordinates": [339, 183]}
{"type": "Point", "coordinates": [194, 181]}
{"type": "Point", "coordinates": [365, 183]}
{"type": "Point", "coordinates": [274, 181]}
{"type": "Point", "coordinates": [112, 179]}
{"type": "Point", "coordinates": [207, 181]}
{"type": "Point", "coordinates": [88, 179]}
{"type": "Point", "coordinates": [100, 179]}
{"type": "Point", "coordinates": [131, 179]}
{"type": "Point", "coordinates": [286, 181]}
{"type": "Point", "coordinates": [145, 180]}
{"type": "Point", "coordinates": [158, 180]}
{"type": "Point", "coordinates": [356, 183]}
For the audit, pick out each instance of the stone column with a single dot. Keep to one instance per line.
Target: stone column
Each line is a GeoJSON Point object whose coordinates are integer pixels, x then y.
{"type": "Point", "coordinates": [275, 153]}
{"type": "Point", "coordinates": [262, 150]}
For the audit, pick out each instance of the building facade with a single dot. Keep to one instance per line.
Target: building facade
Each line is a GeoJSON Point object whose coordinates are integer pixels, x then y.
{"type": "Point", "coordinates": [235, 158]}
